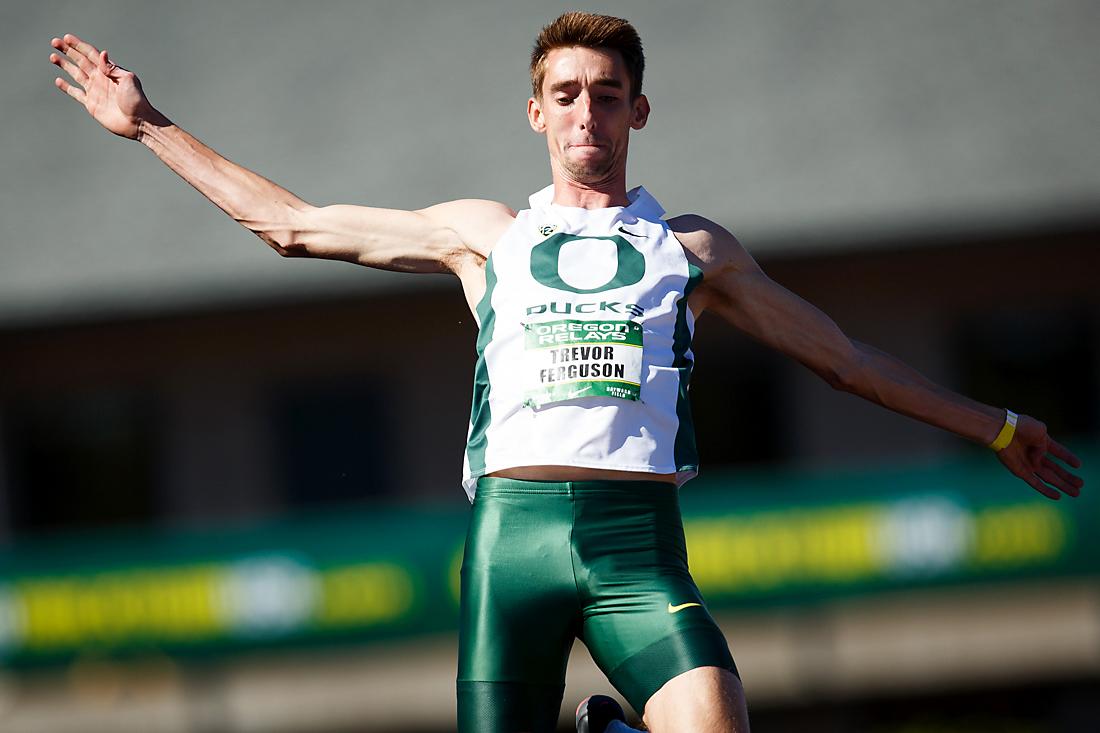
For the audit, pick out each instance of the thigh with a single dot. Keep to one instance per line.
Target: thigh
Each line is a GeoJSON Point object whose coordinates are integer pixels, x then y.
{"type": "Point", "coordinates": [703, 700]}
{"type": "Point", "coordinates": [656, 636]}
{"type": "Point", "coordinates": [518, 615]}
{"type": "Point", "coordinates": [508, 707]}
{"type": "Point", "coordinates": [644, 619]}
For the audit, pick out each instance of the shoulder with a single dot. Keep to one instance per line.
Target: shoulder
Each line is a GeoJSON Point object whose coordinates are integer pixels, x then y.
{"type": "Point", "coordinates": [709, 246]}
{"type": "Point", "coordinates": [473, 207]}
{"type": "Point", "coordinates": [478, 223]}
{"type": "Point", "coordinates": [465, 211]}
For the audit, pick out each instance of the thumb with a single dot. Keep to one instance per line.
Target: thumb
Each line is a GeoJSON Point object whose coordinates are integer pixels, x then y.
{"type": "Point", "coordinates": [105, 64]}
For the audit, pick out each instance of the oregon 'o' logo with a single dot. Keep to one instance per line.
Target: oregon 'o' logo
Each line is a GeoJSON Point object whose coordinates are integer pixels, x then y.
{"type": "Point", "coordinates": [546, 263]}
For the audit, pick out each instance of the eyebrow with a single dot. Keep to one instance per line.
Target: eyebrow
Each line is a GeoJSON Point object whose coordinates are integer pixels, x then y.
{"type": "Point", "coordinates": [562, 86]}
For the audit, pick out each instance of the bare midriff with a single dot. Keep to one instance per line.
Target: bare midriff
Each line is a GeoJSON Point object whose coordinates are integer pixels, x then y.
{"type": "Point", "coordinates": [573, 473]}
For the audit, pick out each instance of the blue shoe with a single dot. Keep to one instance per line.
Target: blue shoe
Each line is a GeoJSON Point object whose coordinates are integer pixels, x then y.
{"type": "Point", "coordinates": [596, 712]}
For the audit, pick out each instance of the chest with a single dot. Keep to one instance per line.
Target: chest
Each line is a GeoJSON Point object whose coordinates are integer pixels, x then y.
{"type": "Point", "coordinates": [609, 265]}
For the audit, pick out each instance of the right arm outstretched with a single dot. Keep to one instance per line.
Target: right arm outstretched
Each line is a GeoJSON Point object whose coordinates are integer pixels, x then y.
{"type": "Point", "coordinates": [443, 238]}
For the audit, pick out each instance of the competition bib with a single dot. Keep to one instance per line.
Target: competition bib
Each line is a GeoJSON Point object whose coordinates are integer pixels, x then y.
{"type": "Point", "coordinates": [568, 360]}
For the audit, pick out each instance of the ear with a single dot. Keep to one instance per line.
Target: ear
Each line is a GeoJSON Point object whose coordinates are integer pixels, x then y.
{"type": "Point", "coordinates": [640, 112]}
{"type": "Point", "coordinates": [534, 115]}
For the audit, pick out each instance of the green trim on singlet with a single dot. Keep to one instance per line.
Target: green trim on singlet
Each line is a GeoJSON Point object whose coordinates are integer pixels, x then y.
{"type": "Point", "coordinates": [480, 416]}
{"type": "Point", "coordinates": [685, 452]}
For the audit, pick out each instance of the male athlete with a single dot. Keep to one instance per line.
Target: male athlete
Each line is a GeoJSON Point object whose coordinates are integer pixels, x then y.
{"type": "Point", "coordinates": [580, 430]}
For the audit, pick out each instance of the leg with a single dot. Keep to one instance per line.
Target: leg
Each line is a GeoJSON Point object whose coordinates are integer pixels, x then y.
{"type": "Point", "coordinates": [508, 707]}
{"type": "Point", "coordinates": [703, 700]}
{"type": "Point", "coordinates": [518, 612]}
{"type": "Point", "coordinates": [644, 619]}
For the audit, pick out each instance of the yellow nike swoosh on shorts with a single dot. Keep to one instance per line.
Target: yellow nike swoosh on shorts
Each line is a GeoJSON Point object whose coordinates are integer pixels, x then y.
{"type": "Point", "coordinates": [681, 607]}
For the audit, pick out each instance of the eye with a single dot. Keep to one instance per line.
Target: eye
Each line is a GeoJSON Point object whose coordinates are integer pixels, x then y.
{"type": "Point", "coordinates": [564, 101]}
{"type": "Point", "coordinates": [610, 98]}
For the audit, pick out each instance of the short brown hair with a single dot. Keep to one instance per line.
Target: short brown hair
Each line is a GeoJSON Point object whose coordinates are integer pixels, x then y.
{"type": "Point", "coordinates": [591, 31]}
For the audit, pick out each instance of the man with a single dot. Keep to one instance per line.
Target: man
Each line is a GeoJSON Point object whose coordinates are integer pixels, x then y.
{"type": "Point", "coordinates": [580, 428]}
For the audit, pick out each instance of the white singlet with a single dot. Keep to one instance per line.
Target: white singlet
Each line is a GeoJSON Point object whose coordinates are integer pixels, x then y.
{"type": "Point", "coordinates": [584, 348]}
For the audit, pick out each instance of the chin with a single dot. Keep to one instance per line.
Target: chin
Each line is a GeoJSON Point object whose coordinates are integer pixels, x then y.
{"type": "Point", "coordinates": [587, 170]}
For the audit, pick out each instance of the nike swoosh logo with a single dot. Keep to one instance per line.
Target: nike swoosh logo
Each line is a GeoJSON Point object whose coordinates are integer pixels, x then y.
{"type": "Point", "coordinates": [577, 393]}
{"type": "Point", "coordinates": [682, 606]}
{"type": "Point", "coordinates": [631, 233]}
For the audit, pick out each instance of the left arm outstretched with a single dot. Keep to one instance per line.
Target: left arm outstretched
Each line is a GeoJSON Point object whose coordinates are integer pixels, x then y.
{"type": "Point", "coordinates": [737, 289]}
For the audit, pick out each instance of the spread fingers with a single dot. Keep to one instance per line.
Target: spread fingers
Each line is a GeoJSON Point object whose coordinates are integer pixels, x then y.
{"type": "Point", "coordinates": [89, 51]}
{"type": "Point", "coordinates": [1037, 483]}
{"type": "Point", "coordinates": [1066, 481]}
{"type": "Point", "coordinates": [1063, 453]}
{"type": "Point", "coordinates": [73, 91]}
{"type": "Point", "coordinates": [69, 47]}
{"type": "Point", "coordinates": [69, 68]}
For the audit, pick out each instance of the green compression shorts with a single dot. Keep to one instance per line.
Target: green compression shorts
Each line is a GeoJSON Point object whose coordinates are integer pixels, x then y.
{"type": "Point", "coordinates": [603, 561]}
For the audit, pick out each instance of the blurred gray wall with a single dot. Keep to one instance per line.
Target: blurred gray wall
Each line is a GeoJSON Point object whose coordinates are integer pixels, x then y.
{"type": "Point", "coordinates": [799, 125]}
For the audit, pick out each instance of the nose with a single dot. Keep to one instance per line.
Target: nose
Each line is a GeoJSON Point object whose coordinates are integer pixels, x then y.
{"type": "Point", "coordinates": [584, 112]}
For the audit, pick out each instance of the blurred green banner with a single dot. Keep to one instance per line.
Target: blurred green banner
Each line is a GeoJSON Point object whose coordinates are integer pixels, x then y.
{"type": "Point", "coordinates": [755, 539]}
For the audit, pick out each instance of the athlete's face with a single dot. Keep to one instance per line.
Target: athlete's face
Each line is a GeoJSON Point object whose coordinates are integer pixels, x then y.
{"type": "Point", "coordinates": [586, 113]}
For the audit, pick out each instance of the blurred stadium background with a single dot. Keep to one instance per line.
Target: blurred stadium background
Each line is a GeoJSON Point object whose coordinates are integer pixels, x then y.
{"type": "Point", "coordinates": [228, 482]}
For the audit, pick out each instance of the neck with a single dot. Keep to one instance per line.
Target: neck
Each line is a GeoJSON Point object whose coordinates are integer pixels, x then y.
{"type": "Point", "coordinates": [600, 194]}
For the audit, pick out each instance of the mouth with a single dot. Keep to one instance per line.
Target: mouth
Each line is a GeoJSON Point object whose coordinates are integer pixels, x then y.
{"type": "Point", "coordinates": [587, 146]}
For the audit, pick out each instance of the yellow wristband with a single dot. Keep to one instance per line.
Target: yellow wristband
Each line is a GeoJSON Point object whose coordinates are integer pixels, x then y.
{"type": "Point", "coordinates": [1005, 436]}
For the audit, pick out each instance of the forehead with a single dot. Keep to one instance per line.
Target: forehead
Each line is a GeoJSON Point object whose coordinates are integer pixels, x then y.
{"type": "Point", "coordinates": [584, 65]}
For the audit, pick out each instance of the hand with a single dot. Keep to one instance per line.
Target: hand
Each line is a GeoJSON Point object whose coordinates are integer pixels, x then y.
{"type": "Point", "coordinates": [1029, 457]}
{"type": "Point", "coordinates": [112, 95]}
